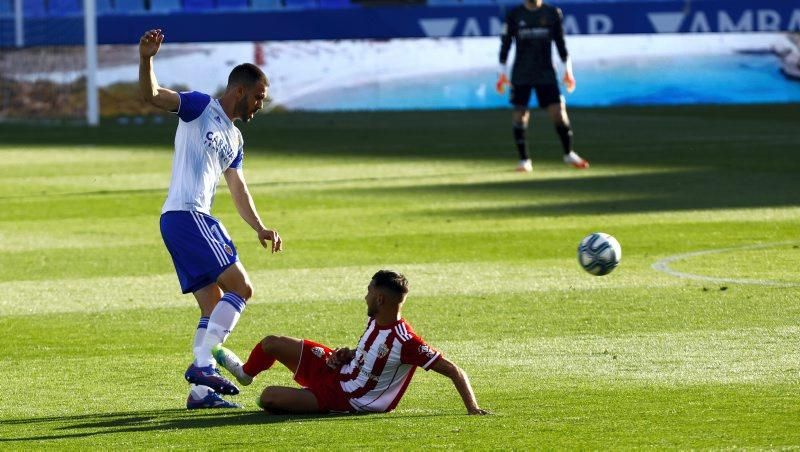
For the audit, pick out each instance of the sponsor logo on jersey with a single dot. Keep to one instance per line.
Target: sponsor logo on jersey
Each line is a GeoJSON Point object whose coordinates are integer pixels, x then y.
{"type": "Point", "coordinates": [217, 142]}
{"type": "Point", "coordinates": [368, 376]}
{"type": "Point", "coordinates": [533, 33]}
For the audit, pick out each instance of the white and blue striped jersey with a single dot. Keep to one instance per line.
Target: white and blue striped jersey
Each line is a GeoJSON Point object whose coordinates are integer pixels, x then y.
{"type": "Point", "coordinates": [206, 144]}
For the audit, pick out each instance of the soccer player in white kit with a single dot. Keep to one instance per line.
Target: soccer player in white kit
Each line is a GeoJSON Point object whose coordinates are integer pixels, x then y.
{"type": "Point", "coordinates": [208, 144]}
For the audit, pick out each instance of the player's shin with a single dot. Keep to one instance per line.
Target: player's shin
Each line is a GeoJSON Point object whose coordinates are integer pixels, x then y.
{"type": "Point", "coordinates": [220, 325]}
{"type": "Point", "coordinates": [565, 134]}
{"type": "Point", "coordinates": [520, 138]}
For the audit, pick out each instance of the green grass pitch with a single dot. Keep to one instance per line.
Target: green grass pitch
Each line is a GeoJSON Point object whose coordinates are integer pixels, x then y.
{"type": "Point", "coordinates": [97, 335]}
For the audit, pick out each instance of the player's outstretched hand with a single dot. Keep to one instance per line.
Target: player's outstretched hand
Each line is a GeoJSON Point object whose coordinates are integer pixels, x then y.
{"type": "Point", "coordinates": [502, 79]}
{"type": "Point", "coordinates": [150, 43]}
{"type": "Point", "coordinates": [569, 82]}
{"type": "Point", "coordinates": [478, 412]}
{"type": "Point", "coordinates": [270, 235]}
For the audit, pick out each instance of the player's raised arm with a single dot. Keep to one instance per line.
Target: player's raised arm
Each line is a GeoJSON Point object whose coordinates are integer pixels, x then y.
{"type": "Point", "coordinates": [162, 98]}
{"type": "Point", "coordinates": [461, 382]}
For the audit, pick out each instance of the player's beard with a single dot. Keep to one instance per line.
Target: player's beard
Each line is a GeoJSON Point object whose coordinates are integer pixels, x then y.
{"type": "Point", "coordinates": [241, 110]}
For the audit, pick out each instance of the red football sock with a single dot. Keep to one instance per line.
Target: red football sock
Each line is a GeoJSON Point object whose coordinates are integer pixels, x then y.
{"type": "Point", "coordinates": [258, 361]}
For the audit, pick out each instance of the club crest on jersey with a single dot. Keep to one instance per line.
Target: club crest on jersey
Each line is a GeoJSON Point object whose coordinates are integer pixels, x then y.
{"type": "Point", "coordinates": [425, 350]}
{"type": "Point", "coordinates": [319, 352]}
{"type": "Point", "coordinates": [383, 350]}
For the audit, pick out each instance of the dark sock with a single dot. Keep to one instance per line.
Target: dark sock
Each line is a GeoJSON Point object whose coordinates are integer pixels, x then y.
{"type": "Point", "coordinates": [565, 133]}
{"type": "Point", "coordinates": [519, 139]}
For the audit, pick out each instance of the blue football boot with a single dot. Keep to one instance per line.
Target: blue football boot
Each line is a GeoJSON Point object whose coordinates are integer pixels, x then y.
{"type": "Point", "coordinates": [210, 376]}
{"type": "Point", "coordinates": [205, 397]}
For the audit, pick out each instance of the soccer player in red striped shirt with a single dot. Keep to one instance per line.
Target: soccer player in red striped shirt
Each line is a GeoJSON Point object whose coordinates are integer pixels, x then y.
{"type": "Point", "coordinates": [371, 378]}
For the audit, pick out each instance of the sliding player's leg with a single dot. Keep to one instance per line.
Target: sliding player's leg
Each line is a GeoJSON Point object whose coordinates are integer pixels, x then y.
{"type": "Point", "coordinates": [284, 349]}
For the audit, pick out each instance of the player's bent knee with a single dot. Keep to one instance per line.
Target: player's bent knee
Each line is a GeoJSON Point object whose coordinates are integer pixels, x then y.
{"type": "Point", "coordinates": [271, 343]}
{"type": "Point", "coordinates": [247, 291]}
{"type": "Point", "coordinates": [269, 400]}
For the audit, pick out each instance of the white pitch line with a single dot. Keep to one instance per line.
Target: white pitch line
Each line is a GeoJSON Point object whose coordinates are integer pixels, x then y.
{"type": "Point", "coordinates": [662, 265]}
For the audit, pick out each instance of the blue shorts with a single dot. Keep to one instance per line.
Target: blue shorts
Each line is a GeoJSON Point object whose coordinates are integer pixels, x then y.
{"type": "Point", "coordinates": [200, 247]}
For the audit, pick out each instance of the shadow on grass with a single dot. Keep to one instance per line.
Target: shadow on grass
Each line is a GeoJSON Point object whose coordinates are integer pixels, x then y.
{"type": "Point", "coordinates": [83, 426]}
{"type": "Point", "coordinates": [689, 189]}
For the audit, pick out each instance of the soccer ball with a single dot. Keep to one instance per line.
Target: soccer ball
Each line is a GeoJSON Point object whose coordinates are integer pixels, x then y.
{"type": "Point", "coordinates": [599, 253]}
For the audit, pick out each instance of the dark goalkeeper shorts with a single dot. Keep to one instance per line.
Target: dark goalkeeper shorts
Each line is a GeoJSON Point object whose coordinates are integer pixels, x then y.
{"type": "Point", "coordinates": [547, 94]}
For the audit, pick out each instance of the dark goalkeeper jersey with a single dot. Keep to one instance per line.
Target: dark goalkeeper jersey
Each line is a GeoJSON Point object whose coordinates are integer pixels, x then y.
{"type": "Point", "coordinates": [533, 32]}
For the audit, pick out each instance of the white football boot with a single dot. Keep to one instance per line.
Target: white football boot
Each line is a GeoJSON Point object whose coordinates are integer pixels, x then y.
{"type": "Point", "coordinates": [231, 363]}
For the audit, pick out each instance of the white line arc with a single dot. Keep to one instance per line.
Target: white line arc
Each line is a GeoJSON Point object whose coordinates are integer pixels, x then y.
{"type": "Point", "coordinates": [662, 265]}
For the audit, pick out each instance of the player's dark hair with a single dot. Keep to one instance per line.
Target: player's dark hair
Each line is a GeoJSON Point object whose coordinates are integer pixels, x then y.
{"type": "Point", "coordinates": [394, 282]}
{"type": "Point", "coordinates": [247, 74]}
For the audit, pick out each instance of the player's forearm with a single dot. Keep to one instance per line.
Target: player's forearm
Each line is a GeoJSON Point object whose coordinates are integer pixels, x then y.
{"type": "Point", "coordinates": [247, 209]}
{"type": "Point", "coordinates": [505, 47]}
{"type": "Point", "coordinates": [148, 84]}
{"type": "Point", "coordinates": [464, 388]}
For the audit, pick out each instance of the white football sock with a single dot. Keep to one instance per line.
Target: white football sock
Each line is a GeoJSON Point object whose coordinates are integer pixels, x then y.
{"type": "Point", "coordinates": [199, 334]}
{"type": "Point", "coordinates": [222, 321]}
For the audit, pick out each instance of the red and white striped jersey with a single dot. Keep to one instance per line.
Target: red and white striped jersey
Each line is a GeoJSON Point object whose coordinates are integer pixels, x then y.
{"type": "Point", "coordinates": [383, 365]}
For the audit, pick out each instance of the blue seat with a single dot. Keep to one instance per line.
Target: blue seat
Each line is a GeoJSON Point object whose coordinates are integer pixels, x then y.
{"type": "Point", "coordinates": [447, 2]}
{"type": "Point", "coordinates": [129, 6]}
{"type": "Point", "coordinates": [6, 8]}
{"type": "Point", "coordinates": [300, 4]}
{"type": "Point", "coordinates": [65, 7]}
{"type": "Point", "coordinates": [165, 6]}
{"type": "Point", "coordinates": [232, 4]}
{"type": "Point", "coordinates": [334, 4]}
{"type": "Point", "coordinates": [34, 8]}
{"type": "Point", "coordinates": [267, 4]}
{"type": "Point", "coordinates": [104, 7]}
{"type": "Point", "coordinates": [198, 5]}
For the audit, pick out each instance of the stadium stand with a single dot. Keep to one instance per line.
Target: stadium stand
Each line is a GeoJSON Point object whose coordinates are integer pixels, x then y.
{"type": "Point", "coordinates": [34, 8]}
{"type": "Point", "coordinates": [463, 2]}
{"type": "Point", "coordinates": [165, 6]}
{"type": "Point", "coordinates": [129, 6]}
{"type": "Point", "coordinates": [6, 8]}
{"type": "Point", "coordinates": [334, 4]}
{"type": "Point", "coordinates": [198, 5]}
{"type": "Point", "coordinates": [300, 4]}
{"type": "Point", "coordinates": [267, 4]}
{"type": "Point", "coordinates": [232, 4]}
{"type": "Point", "coordinates": [104, 7]}
{"type": "Point", "coordinates": [65, 7]}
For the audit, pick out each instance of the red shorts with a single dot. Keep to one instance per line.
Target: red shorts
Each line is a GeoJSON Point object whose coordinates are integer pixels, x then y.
{"type": "Point", "coordinates": [314, 374]}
